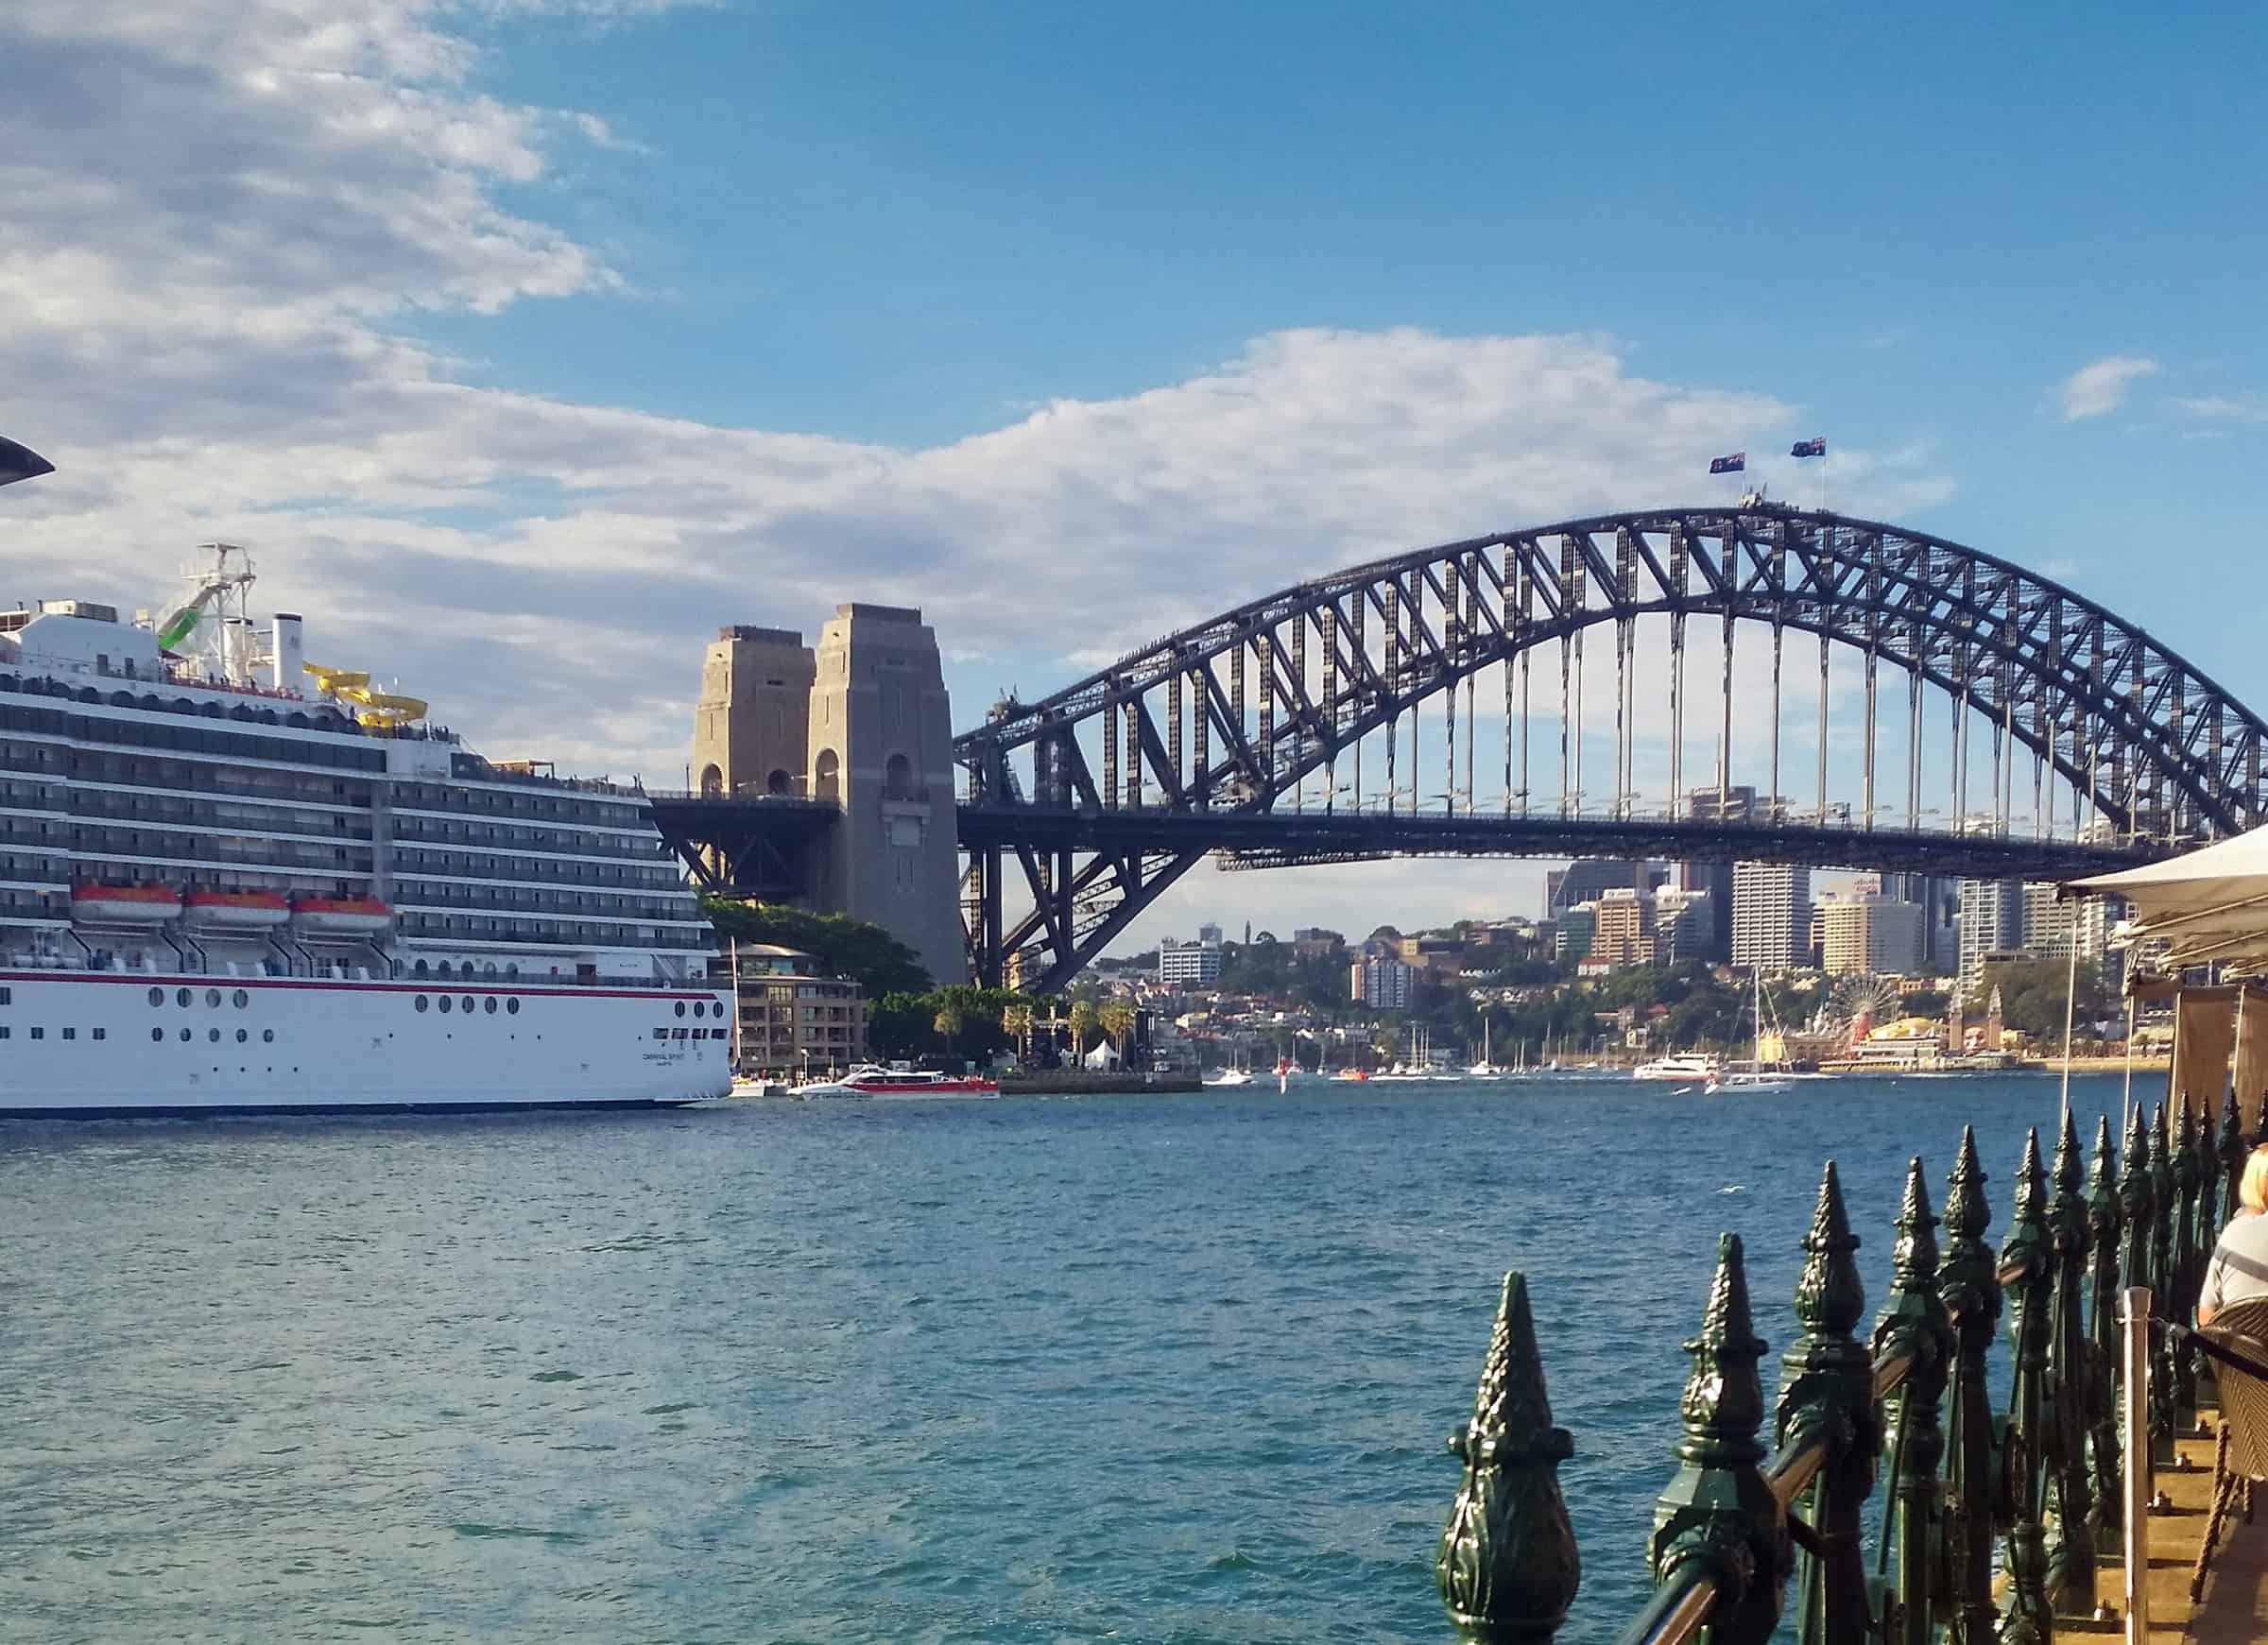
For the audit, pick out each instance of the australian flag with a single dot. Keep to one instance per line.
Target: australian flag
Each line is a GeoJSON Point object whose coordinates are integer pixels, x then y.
{"type": "Point", "coordinates": [1814, 447]}
{"type": "Point", "coordinates": [1735, 464]}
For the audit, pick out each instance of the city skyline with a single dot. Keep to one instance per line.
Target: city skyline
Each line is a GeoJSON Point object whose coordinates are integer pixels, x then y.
{"type": "Point", "coordinates": [523, 345]}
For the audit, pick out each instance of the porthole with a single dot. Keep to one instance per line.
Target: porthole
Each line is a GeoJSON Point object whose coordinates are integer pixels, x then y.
{"type": "Point", "coordinates": [242, 1034]}
{"type": "Point", "coordinates": [180, 997]}
{"type": "Point", "coordinates": [267, 1036]}
{"type": "Point", "coordinates": [466, 1005]}
{"type": "Point", "coordinates": [213, 998]}
{"type": "Point", "coordinates": [512, 1006]}
{"type": "Point", "coordinates": [681, 1007]}
{"type": "Point", "coordinates": [157, 997]}
{"type": "Point", "coordinates": [157, 1033]}
{"type": "Point", "coordinates": [422, 1001]}
{"type": "Point", "coordinates": [214, 1035]}
{"type": "Point", "coordinates": [242, 998]}
{"type": "Point", "coordinates": [490, 1005]}
{"type": "Point", "coordinates": [447, 1004]}
{"type": "Point", "coordinates": [185, 1036]}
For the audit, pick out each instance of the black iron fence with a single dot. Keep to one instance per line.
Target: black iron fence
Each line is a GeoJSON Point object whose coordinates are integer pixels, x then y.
{"type": "Point", "coordinates": [1993, 1519]}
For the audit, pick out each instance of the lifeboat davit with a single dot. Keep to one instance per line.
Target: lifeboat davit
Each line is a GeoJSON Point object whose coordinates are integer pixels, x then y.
{"type": "Point", "coordinates": [236, 910]}
{"type": "Point", "coordinates": [340, 916]}
{"type": "Point", "coordinates": [124, 904]}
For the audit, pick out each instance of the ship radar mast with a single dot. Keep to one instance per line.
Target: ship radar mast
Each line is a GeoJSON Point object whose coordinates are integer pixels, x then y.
{"type": "Point", "coordinates": [209, 620]}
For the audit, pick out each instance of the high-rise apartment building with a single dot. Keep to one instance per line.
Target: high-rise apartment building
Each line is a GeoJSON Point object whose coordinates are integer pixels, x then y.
{"type": "Point", "coordinates": [1992, 921]}
{"type": "Point", "coordinates": [1588, 878]}
{"type": "Point", "coordinates": [1189, 964]}
{"type": "Point", "coordinates": [1380, 982]}
{"type": "Point", "coordinates": [1871, 936]}
{"type": "Point", "coordinates": [1771, 915]}
{"type": "Point", "coordinates": [1623, 929]}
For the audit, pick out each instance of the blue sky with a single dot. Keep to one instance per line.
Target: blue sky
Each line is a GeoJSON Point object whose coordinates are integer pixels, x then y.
{"type": "Point", "coordinates": [542, 338]}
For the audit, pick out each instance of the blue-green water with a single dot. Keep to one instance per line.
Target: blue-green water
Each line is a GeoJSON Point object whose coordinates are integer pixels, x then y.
{"type": "Point", "coordinates": [1172, 1369]}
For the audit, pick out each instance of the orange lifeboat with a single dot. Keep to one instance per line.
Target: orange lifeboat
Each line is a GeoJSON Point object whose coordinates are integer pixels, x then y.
{"type": "Point", "coordinates": [340, 916]}
{"type": "Point", "coordinates": [95, 904]}
{"type": "Point", "coordinates": [236, 910]}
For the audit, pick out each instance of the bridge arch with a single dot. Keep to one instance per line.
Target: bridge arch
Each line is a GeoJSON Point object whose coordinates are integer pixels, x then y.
{"type": "Point", "coordinates": [2160, 750]}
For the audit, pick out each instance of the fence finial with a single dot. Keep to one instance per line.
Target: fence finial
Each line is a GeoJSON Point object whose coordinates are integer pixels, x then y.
{"type": "Point", "coordinates": [1507, 1568]}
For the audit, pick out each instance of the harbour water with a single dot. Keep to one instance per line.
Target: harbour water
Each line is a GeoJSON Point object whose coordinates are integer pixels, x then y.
{"type": "Point", "coordinates": [1172, 1369]}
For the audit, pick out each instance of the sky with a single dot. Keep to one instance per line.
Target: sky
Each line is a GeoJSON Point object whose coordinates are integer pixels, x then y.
{"type": "Point", "coordinates": [527, 341]}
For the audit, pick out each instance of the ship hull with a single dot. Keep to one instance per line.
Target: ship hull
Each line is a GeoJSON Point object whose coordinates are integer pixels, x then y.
{"type": "Point", "coordinates": [110, 1045]}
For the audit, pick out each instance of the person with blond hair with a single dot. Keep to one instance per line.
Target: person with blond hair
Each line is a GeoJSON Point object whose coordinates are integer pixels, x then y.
{"type": "Point", "coordinates": [2239, 1269]}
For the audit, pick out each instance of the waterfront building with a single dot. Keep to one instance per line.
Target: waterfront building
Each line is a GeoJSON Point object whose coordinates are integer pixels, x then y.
{"type": "Point", "coordinates": [1771, 915]}
{"type": "Point", "coordinates": [1382, 981]}
{"type": "Point", "coordinates": [1310, 942]}
{"type": "Point", "coordinates": [1992, 923]}
{"type": "Point", "coordinates": [794, 1019]}
{"type": "Point", "coordinates": [1870, 935]}
{"type": "Point", "coordinates": [1210, 932]}
{"type": "Point", "coordinates": [1189, 964]}
{"type": "Point", "coordinates": [1623, 929]}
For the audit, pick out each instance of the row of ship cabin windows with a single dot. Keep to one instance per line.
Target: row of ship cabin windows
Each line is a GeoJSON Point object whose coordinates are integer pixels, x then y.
{"type": "Point", "coordinates": [244, 1036]}
{"type": "Point", "coordinates": [512, 1008]}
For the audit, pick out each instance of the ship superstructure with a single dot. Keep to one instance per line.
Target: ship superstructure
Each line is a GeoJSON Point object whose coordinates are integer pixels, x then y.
{"type": "Point", "coordinates": [233, 878]}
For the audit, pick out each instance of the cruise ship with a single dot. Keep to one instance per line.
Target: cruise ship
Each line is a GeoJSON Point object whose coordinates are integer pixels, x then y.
{"type": "Point", "coordinates": [233, 879]}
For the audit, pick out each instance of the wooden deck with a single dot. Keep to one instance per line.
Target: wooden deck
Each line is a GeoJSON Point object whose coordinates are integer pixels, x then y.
{"type": "Point", "coordinates": [2235, 1608]}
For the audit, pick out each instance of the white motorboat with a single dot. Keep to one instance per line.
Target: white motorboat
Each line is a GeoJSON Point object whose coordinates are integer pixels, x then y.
{"type": "Point", "coordinates": [1688, 1066]}
{"type": "Point", "coordinates": [873, 1080]}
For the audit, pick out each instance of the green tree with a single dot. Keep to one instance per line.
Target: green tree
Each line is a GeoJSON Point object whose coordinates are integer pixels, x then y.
{"type": "Point", "coordinates": [1082, 1025]}
{"type": "Point", "coordinates": [899, 1025]}
{"type": "Point", "coordinates": [1016, 1022]}
{"type": "Point", "coordinates": [843, 947]}
{"type": "Point", "coordinates": [946, 1020]}
{"type": "Point", "coordinates": [1117, 1020]}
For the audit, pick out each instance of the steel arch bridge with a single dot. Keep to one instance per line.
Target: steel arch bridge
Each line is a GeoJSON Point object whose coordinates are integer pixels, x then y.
{"type": "Point", "coordinates": [1104, 793]}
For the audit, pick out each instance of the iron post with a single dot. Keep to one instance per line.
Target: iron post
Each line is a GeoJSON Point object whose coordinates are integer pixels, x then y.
{"type": "Point", "coordinates": [2104, 1225]}
{"type": "Point", "coordinates": [2072, 1553]}
{"type": "Point", "coordinates": [2027, 1276]}
{"type": "Point", "coordinates": [1915, 1324]}
{"type": "Point", "coordinates": [2189, 1177]}
{"type": "Point", "coordinates": [1828, 1390]}
{"type": "Point", "coordinates": [1718, 1521]}
{"type": "Point", "coordinates": [1508, 1567]}
{"type": "Point", "coordinates": [1972, 1304]}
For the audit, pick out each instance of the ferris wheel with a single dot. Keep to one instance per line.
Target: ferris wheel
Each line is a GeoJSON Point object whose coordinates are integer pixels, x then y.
{"type": "Point", "coordinates": [1876, 998]}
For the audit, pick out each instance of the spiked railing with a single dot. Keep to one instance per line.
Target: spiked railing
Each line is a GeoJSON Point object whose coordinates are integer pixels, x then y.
{"type": "Point", "coordinates": [1735, 1524]}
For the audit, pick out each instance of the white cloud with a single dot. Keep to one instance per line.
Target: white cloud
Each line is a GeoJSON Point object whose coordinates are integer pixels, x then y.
{"type": "Point", "coordinates": [2102, 386]}
{"type": "Point", "coordinates": [227, 217]}
{"type": "Point", "coordinates": [2226, 407]}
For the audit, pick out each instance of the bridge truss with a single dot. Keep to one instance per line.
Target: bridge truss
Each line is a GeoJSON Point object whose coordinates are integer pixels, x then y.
{"type": "Point", "coordinates": [1232, 736]}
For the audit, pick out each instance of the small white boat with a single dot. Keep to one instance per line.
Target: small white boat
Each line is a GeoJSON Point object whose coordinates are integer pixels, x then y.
{"type": "Point", "coordinates": [873, 1080]}
{"type": "Point", "coordinates": [1231, 1076]}
{"type": "Point", "coordinates": [1685, 1065]}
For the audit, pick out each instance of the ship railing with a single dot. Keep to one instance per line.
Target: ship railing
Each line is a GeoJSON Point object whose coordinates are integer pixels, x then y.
{"type": "Point", "coordinates": [1993, 1519]}
{"type": "Point", "coordinates": [138, 963]}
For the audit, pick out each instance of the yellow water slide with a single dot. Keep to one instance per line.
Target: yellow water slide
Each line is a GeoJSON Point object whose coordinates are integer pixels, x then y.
{"type": "Point", "coordinates": [377, 710]}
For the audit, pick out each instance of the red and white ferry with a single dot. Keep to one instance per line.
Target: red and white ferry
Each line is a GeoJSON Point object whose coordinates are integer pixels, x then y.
{"type": "Point", "coordinates": [873, 1080]}
{"type": "Point", "coordinates": [230, 880]}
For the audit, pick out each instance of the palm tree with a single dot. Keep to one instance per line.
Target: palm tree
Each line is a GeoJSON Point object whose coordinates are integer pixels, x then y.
{"type": "Point", "coordinates": [948, 1022]}
{"type": "Point", "coordinates": [1117, 1018]}
{"type": "Point", "coordinates": [1016, 1022]}
{"type": "Point", "coordinates": [1082, 1024]}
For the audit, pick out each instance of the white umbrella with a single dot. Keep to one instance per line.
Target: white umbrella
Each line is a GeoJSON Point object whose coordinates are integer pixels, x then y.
{"type": "Point", "coordinates": [2209, 905]}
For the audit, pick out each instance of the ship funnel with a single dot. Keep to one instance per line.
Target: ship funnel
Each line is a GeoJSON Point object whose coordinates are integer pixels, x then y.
{"type": "Point", "coordinates": [288, 653]}
{"type": "Point", "coordinates": [21, 462]}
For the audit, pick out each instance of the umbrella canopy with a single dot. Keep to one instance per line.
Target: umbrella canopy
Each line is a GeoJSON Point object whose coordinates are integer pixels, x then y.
{"type": "Point", "coordinates": [2208, 905]}
{"type": "Point", "coordinates": [21, 462]}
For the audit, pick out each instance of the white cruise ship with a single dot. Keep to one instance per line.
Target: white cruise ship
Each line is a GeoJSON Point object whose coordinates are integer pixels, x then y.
{"type": "Point", "coordinates": [231, 879]}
